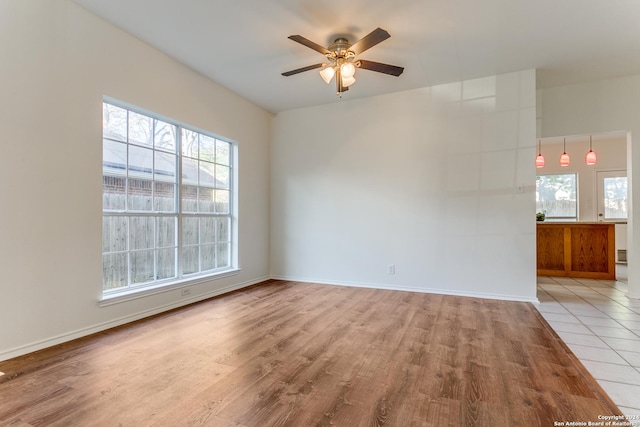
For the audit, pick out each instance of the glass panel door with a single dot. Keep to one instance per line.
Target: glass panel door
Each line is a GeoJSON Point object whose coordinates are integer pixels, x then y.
{"type": "Point", "coordinates": [612, 195]}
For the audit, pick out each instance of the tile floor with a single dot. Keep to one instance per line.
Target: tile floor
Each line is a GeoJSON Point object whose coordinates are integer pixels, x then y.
{"type": "Point", "coordinates": [602, 328]}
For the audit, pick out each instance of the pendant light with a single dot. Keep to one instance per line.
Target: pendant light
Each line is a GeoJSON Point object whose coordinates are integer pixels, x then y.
{"type": "Point", "coordinates": [591, 155]}
{"type": "Point", "coordinates": [540, 158]}
{"type": "Point", "coordinates": [564, 158]}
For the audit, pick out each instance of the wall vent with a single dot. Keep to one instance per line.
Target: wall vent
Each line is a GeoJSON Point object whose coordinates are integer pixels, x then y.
{"type": "Point", "coordinates": [622, 256]}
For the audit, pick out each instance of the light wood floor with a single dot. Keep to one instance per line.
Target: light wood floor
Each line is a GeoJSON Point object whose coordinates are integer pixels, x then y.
{"type": "Point", "coordinates": [294, 354]}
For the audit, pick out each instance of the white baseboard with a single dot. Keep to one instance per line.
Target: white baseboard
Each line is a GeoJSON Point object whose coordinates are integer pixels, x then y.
{"type": "Point", "coordinates": [83, 332]}
{"type": "Point", "coordinates": [502, 297]}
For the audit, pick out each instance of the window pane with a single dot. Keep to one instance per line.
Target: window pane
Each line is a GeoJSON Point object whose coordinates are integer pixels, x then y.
{"type": "Point", "coordinates": [164, 196]}
{"type": "Point", "coordinates": [114, 158]}
{"type": "Point", "coordinates": [189, 198]}
{"type": "Point", "coordinates": [113, 193]}
{"type": "Point", "coordinates": [164, 136]}
{"type": "Point", "coordinates": [223, 232]}
{"type": "Point", "coordinates": [222, 176]}
{"type": "Point", "coordinates": [190, 231]}
{"type": "Point", "coordinates": [166, 236]}
{"type": "Point", "coordinates": [114, 271]}
{"type": "Point", "coordinates": [114, 233]}
{"type": "Point", "coordinates": [140, 195]}
{"type": "Point", "coordinates": [207, 172]}
{"type": "Point", "coordinates": [207, 148]}
{"type": "Point", "coordinates": [190, 260]}
{"type": "Point", "coordinates": [207, 230]}
{"type": "Point", "coordinates": [141, 230]}
{"type": "Point", "coordinates": [140, 129]}
{"type": "Point", "coordinates": [556, 195]}
{"type": "Point", "coordinates": [142, 267]}
{"type": "Point", "coordinates": [166, 263]}
{"type": "Point", "coordinates": [189, 171]}
{"type": "Point", "coordinates": [114, 122]}
{"type": "Point", "coordinates": [164, 167]}
{"type": "Point", "coordinates": [222, 255]}
{"type": "Point", "coordinates": [222, 153]}
{"type": "Point", "coordinates": [205, 198]}
{"type": "Point", "coordinates": [140, 162]}
{"type": "Point", "coordinates": [208, 253]}
{"type": "Point", "coordinates": [222, 201]}
{"type": "Point", "coordinates": [189, 143]}
{"type": "Point", "coordinates": [615, 197]}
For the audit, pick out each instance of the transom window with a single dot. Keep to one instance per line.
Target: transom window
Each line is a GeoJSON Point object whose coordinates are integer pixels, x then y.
{"type": "Point", "coordinates": [167, 201]}
{"type": "Point", "coordinates": [556, 196]}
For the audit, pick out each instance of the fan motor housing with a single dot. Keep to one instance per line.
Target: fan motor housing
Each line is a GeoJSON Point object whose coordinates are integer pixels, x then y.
{"type": "Point", "coordinates": [340, 47]}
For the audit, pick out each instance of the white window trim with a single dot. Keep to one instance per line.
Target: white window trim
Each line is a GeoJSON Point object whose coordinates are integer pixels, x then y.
{"type": "Point", "coordinates": [143, 292]}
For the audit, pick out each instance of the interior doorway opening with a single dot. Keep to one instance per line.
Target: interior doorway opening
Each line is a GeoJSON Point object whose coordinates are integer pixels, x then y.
{"type": "Point", "coordinates": [601, 192]}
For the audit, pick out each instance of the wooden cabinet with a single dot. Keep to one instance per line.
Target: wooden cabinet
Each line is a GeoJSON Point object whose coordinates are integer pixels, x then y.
{"type": "Point", "coordinates": [576, 249]}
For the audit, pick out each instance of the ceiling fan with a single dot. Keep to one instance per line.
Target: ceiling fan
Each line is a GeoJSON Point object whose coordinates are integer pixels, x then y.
{"type": "Point", "coordinates": [342, 59]}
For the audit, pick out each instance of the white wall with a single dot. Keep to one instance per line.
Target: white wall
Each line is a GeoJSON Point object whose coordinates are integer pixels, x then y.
{"type": "Point", "coordinates": [437, 181]}
{"type": "Point", "coordinates": [602, 106]}
{"type": "Point", "coordinates": [57, 63]}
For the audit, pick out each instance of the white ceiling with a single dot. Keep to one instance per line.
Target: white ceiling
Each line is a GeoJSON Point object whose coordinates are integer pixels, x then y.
{"type": "Point", "coordinates": [243, 45]}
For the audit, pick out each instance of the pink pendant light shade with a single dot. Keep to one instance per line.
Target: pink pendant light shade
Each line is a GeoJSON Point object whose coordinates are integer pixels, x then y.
{"type": "Point", "coordinates": [564, 158]}
{"type": "Point", "coordinates": [591, 155]}
{"type": "Point", "coordinates": [540, 158]}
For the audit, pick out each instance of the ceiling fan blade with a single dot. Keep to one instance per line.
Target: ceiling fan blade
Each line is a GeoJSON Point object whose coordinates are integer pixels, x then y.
{"type": "Point", "coordinates": [380, 67]}
{"type": "Point", "coordinates": [302, 70]}
{"type": "Point", "coordinates": [373, 38]}
{"type": "Point", "coordinates": [308, 43]}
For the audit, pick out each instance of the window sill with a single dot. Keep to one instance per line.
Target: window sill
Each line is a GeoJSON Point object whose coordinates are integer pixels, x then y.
{"type": "Point", "coordinates": [133, 294]}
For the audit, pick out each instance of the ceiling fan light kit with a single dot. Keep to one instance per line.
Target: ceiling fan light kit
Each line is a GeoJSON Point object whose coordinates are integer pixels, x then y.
{"type": "Point", "coordinates": [342, 59]}
{"type": "Point", "coordinates": [327, 74]}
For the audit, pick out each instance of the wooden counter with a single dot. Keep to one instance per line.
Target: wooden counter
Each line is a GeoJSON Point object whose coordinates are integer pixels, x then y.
{"type": "Point", "coordinates": [576, 249]}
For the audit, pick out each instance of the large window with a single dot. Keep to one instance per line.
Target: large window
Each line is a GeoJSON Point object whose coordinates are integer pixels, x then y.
{"type": "Point", "coordinates": [167, 201]}
{"type": "Point", "coordinates": [556, 196]}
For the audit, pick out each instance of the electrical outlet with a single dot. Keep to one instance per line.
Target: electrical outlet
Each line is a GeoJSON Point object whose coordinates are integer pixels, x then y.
{"type": "Point", "coordinates": [391, 269]}
{"type": "Point", "coordinates": [185, 291]}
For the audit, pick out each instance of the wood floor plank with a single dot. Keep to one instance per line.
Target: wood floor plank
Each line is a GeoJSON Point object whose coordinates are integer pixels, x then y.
{"type": "Point", "coordinates": [297, 354]}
